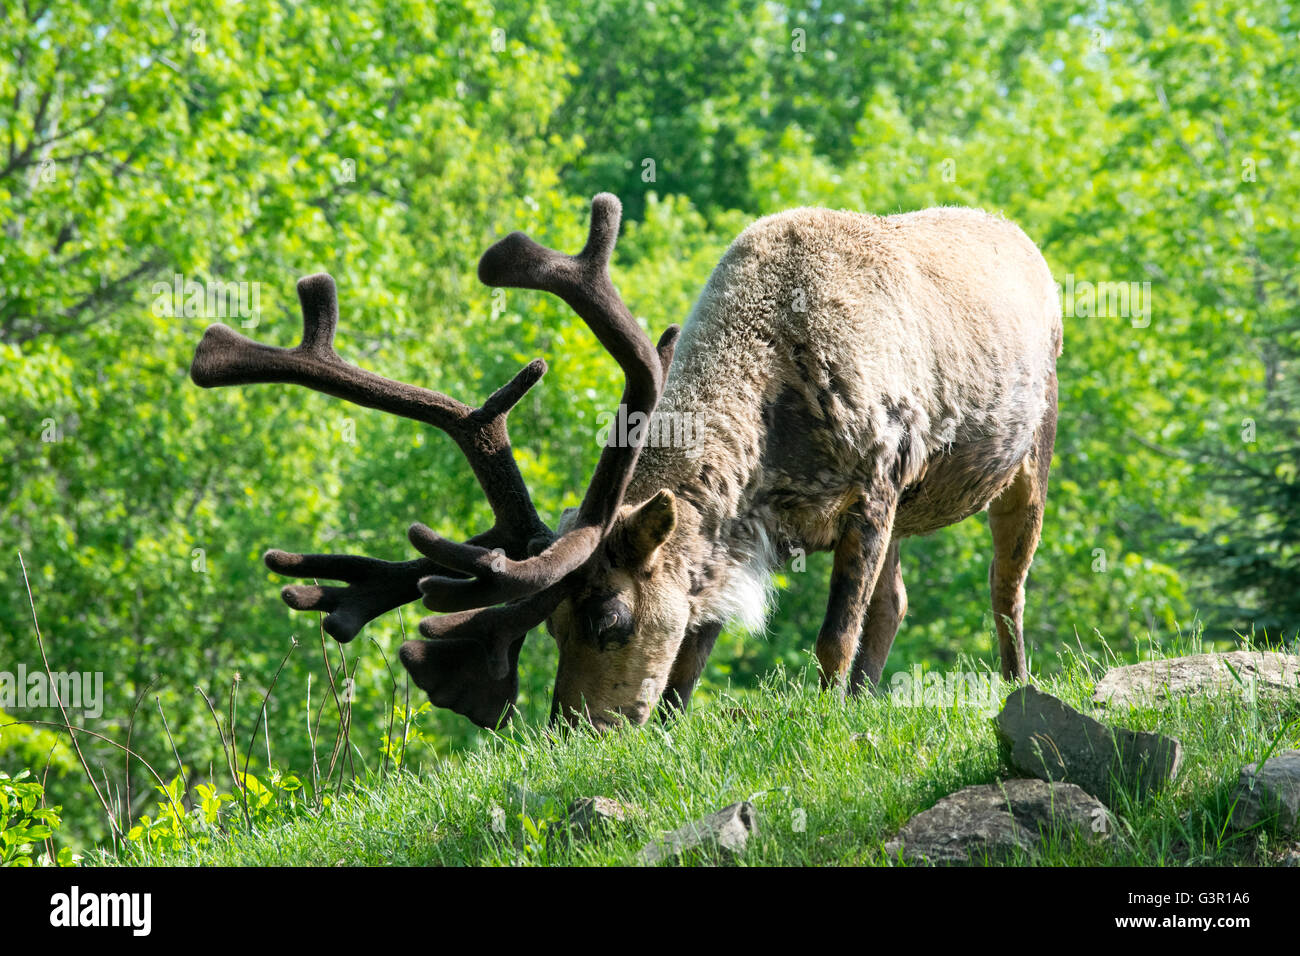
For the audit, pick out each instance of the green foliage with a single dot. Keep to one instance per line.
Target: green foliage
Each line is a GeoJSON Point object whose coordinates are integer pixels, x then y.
{"type": "Point", "coordinates": [25, 823]}
{"type": "Point", "coordinates": [29, 746]}
{"type": "Point", "coordinates": [1253, 552]}
{"type": "Point", "coordinates": [253, 806]}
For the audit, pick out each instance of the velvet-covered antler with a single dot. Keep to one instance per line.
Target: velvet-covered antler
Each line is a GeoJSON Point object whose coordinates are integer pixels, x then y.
{"type": "Point", "coordinates": [224, 357]}
{"type": "Point", "coordinates": [499, 599]}
{"type": "Point", "coordinates": [501, 583]}
{"type": "Point", "coordinates": [583, 282]}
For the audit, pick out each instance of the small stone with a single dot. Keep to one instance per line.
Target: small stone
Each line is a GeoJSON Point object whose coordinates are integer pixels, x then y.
{"type": "Point", "coordinates": [1234, 672]}
{"type": "Point", "coordinates": [727, 831]}
{"type": "Point", "coordinates": [587, 815]}
{"type": "Point", "coordinates": [1270, 797]}
{"type": "Point", "coordinates": [998, 822]}
{"type": "Point", "coordinates": [1044, 737]}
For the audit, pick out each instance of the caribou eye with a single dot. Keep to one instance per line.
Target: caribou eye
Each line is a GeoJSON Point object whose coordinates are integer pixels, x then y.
{"type": "Point", "coordinates": [607, 622]}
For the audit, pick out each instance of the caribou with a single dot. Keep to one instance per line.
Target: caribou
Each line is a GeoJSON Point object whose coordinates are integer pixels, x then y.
{"type": "Point", "coordinates": [854, 379]}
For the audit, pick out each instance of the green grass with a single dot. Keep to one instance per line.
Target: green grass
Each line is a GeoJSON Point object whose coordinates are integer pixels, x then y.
{"type": "Point", "coordinates": [852, 772]}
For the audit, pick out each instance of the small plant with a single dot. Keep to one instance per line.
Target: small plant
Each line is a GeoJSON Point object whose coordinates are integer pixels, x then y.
{"type": "Point", "coordinates": [538, 835]}
{"type": "Point", "coordinates": [402, 733]}
{"type": "Point", "coordinates": [172, 827]}
{"type": "Point", "coordinates": [168, 830]}
{"type": "Point", "coordinates": [24, 823]}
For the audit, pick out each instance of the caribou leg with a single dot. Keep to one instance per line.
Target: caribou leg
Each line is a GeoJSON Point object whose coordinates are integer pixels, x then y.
{"type": "Point", "coordinates": [884, 615]}
{"type": "Point", "coordinates": [859, 556]}
{"type": "Point", "coordinates": [1016, 520]}
{"type": "Point", "coordinates": [691, 658]}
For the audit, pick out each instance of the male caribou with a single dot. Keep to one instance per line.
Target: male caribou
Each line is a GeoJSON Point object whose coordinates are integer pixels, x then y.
{"type": "Point", "coordinates": [860, 379]}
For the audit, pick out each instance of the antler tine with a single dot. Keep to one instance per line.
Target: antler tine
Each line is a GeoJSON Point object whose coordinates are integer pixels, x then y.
{"type": "Point", "coordinates": [495, 631]}
{"type": "Point", "coordinates": [374, 588]}
{"type": "Point", "coordinates": [583, 282]}
{"type": "Point", "coordinates": [224, 357]}
{"type": "Point", "coordinates": [473, 666]}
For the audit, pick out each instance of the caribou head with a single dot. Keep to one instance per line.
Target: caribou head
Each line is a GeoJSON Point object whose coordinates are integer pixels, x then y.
{"type": "Point", "coordinates": [590, 575]}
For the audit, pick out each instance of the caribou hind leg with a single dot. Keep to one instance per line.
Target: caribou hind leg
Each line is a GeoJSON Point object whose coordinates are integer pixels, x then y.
{"type": "Point", "coordinates": [884, 615]}
{"type": "Point", "coordinates": [1016, 520]}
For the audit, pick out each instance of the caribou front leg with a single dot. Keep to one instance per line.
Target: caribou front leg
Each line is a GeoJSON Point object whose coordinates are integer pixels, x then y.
{"type": "Point", "coordinates": [859, 555]}
{"type": "Point", "coordinates": [691, 658]}
{"type": "Point", "coordinates": [884, 615]}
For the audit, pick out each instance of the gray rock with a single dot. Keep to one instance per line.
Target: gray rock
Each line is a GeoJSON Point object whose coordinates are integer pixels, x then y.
{"type": "Point", "coordinates": [726, 832]}
{"type": "Point", "coordinates": [1153, 682]}
{"type": "Point", "coordinates": [587, 815]}
{"type": "Point", "coordinates": [1270, 797]}
{"type": "Point", "coordinates": [999, 822]}
{"type": "Point", "coordinates": [1046, 738]}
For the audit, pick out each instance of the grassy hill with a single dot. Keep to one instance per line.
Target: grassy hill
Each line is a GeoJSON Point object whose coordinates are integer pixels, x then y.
{"type": "Point", "coordinates": [831, 781]}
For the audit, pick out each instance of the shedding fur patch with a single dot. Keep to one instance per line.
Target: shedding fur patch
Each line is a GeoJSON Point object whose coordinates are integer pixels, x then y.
{"type": "Point", "coordinates": [747, 596]}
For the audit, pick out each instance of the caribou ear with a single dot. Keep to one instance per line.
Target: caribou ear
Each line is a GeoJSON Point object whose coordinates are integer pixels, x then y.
{"type": "Point", "coordinates": [649, 526]}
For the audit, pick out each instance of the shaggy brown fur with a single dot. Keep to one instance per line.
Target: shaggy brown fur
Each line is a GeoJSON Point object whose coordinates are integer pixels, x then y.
{"type": "Point", "coordinates": [860, 380]}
